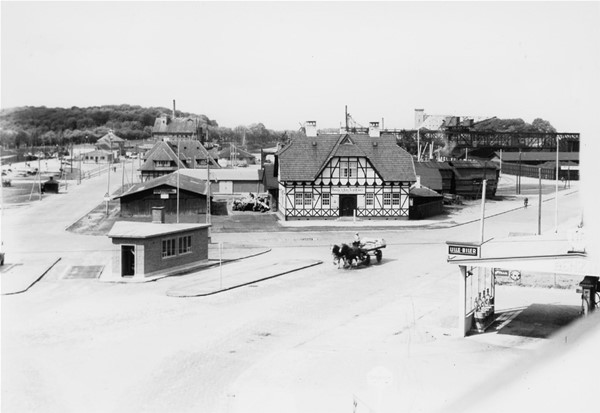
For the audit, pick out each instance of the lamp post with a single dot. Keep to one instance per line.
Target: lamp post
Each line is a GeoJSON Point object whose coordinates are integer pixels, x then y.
{"type": "Point", "coordinates": [107, 196]}
{"type": "Point", "coordinates": [556, 189]}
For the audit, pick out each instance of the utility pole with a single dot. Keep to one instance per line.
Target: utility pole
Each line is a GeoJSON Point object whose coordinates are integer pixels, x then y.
{"type": "Point", "coordinates": [208, 221]}
{"type": "Point", "coordinates": [482, 212]}
{"type": "Point", "coordinates": [540, 201]}
{"type": "Point", "coordinates": [178, 141]}
{"type": "Point", "coordinates": [556, 189]}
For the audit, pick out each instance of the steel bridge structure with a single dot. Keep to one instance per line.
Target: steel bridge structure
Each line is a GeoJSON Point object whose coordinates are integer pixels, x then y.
{"type": "Point", "coordinates": [567, 142]}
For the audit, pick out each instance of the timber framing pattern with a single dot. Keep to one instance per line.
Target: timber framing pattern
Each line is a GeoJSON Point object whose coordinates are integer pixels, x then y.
{"type": "Point", "coordinates": [353, 179]}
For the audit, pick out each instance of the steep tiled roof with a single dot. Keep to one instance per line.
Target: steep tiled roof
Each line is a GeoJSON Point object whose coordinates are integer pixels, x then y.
{"type": "Point", "coordinates": [189, 149]}
{"type": "Point", "coordinates": [160, 152]}
{"type": "Point", "coordinates": [304, 157]}
{"type": "Point", "coordinates": [186, 183]}
{"type": "Point", "coordinates": [110, 137]}
{"type": "Point", "coordinates": [192, 149]}
{"type": "Point", "coordinates": [430, 177]}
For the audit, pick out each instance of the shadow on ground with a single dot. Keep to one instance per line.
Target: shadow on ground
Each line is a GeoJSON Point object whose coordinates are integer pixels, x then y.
{"type": "Point", "coordinates": [535, 320]}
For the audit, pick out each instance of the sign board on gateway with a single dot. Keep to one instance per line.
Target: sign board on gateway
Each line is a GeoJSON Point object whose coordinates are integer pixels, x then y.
{"type": "Point", "coordinates": [465, 249]}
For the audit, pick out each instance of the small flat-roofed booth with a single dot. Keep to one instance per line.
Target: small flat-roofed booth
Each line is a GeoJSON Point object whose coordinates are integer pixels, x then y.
{"type": "Point", "coordinates": [482, 265]}
{"type": "Point", "coordinates": [150, 250]}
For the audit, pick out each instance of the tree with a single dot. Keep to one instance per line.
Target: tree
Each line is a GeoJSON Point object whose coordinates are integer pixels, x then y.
{"type": "Point", "coordinates": [543, 125]}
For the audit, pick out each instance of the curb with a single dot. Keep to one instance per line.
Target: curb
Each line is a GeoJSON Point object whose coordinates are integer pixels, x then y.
{"type": "Point", "coordinates": [245, 283]}
{"type": "Point", "coordinates": [36, 280]}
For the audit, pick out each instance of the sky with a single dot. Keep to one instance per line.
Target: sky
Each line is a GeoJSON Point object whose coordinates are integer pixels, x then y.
{"type": "Point", "coordinates": [283, 63]}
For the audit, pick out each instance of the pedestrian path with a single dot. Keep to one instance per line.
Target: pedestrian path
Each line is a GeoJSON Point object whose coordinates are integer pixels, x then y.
{"type": "Point", "coordinates": [234, 275]}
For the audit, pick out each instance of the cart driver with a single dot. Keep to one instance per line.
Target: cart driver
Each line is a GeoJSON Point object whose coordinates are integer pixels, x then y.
{"type": "Point", "coordinates": [356, 240]}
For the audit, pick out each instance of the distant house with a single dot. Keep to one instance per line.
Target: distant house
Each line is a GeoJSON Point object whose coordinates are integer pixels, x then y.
{"type": "Point", "coordinates": [111, 142]}
{"type": "Point", "coordinates": [168, 128]}
{"type": "Point", "coordinates": [327, 176]}
{"type": "Point", "coordinates": [140, 199]}
{"type": "Point", "coordinates": [98, 156]}
{"type": "Point", "coordinates": [163, 158]}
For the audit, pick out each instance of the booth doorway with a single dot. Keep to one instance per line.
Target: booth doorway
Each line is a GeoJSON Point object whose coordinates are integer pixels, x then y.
{"type": "Point", "coordinates": [127, 260]}
{"type": "Point", "coordinates": [347, 205]}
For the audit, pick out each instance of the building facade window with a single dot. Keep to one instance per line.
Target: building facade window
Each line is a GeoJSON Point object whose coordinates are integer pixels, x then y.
{"type": "Point", "coordinates": [326, 200]}
{"type": "Point", "coordinates": [387, 199]}
{"type": "Point", "coordinates": [298, 199]}
{"type": "Point", "coordinates": [308, 199]}
{"type": "Point", "coordinates": [349, 169]}
{"type": "Point", "coordinates": [163, 164]}
{"type": "Point", "coordinates": [369, 199]}
{"type": "Point", "coordinates": [185, 244]}
{"type": "Point", "coordinates": [396, 199]}
{"type": "Point", "coordinates": [168, 248]}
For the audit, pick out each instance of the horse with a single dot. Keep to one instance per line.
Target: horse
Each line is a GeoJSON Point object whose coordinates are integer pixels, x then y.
{"type": "Point", "coordinates": [350, 256]}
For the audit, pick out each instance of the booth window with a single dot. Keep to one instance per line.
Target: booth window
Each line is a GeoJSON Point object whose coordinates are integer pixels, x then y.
{"type": "Point", "coordinates": [185, 244]}
{"type": "Point", "coordinates": [168, 247]}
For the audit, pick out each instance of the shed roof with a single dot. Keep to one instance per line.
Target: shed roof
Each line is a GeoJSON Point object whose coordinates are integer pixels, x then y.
{"type": "Point", "coordinates": [128, 229]}
{"type": "Point", "coordinates": [304, 158]}
{"type": "Point", "coordinates": [224, 174]}
{"type": "Point", "coordinates": [186, 183]}
{"type": "Point", "coordinates": [424, 192]}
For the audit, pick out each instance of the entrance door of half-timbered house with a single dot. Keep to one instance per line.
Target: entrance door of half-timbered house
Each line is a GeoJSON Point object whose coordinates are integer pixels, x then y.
{"type": "Point", "coordinates": [347, 205]}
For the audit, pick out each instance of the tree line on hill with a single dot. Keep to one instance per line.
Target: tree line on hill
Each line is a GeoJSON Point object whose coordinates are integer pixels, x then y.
{"type": "Point", "coordinates": [36, 126]}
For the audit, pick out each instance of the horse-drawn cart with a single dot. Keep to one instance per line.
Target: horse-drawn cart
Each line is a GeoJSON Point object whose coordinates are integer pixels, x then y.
{"type": "Point", "coordinates": [359, 253]}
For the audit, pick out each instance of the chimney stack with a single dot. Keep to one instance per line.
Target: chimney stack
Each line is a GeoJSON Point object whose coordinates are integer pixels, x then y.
{"type": "Point", "coordinates": [419, 117]}
{"type": "Point", "coordinates": [374, 131]}
{"type": "Point", "coordinates": [311, 129]}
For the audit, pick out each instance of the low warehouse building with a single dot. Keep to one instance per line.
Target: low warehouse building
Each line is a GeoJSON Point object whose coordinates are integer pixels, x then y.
{"type": "Point", "coordinates": [141, 198]}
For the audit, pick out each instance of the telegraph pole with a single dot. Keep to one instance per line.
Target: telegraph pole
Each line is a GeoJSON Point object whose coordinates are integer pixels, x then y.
{"type": "Point", "coordinates": [208, 193]}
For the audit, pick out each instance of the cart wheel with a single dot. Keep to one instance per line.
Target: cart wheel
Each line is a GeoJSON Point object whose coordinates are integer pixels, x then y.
{"type": "Point", "coordinates": [378, 255]}
{"type": "Point", "coordinates": [367, 259]}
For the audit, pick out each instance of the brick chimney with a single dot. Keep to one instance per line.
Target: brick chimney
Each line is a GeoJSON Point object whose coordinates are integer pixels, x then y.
{"type": "Point", "coordinates": [311, 129]}
{"type": "Point", "coordinates": [374, 131]}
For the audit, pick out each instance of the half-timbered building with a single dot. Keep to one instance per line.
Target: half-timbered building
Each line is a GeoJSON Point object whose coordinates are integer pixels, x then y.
{"type": "Point", "coordinates": [327, 176]}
